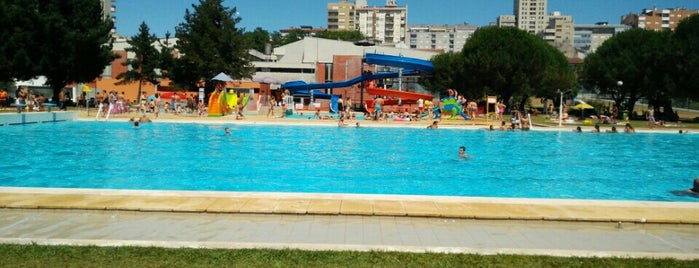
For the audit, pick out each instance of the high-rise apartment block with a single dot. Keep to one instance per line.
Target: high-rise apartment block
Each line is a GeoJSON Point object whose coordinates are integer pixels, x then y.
{"type": "Point", "coordinates": [448, 38]}
{"type": "Point", "coordinates": [507, 21]}
{"type": "Point", "coordinates": [341, 16]}
{"type": "Point", "coordinates": [386, 24]}
{"type": "Point", "coordinates": [658, 19]}
{"type": "Point", "coordinates": [560, 33]}
{"type": "Point", "coordinates": [588, 37]}
{"type": "Point", "coordinates": [108, 10]}
{"type": "Point", "coordinates": [531, 15]}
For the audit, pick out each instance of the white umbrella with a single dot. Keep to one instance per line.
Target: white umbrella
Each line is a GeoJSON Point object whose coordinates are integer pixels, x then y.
{"type": "Point", "coordinates": [222, 77]}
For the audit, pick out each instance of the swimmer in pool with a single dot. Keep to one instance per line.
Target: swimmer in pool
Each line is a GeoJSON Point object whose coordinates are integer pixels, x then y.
{"type": "Point", "coordinates": [693, 192]}
{"type": "Point", "coordinates": [228, 131]}
{"type": "Point", "coordinates": [462, 152]}
{"type": "Point", "coordinates": [695, 189]}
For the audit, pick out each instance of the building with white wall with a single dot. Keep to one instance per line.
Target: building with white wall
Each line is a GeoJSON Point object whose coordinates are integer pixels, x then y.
{"type": "Point", "coordinates": [447, 38]}
{"type": "Point", "coordinates": [658, 19]}
{"type": "Point", "coordinates": [588, 37]}
{"type": "Point", "coordinates": [531, 15]}
{"type": "Point", "coordinates": [387, 24]}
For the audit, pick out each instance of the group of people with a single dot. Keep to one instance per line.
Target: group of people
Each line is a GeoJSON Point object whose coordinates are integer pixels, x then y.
{"type": "Point", "coordinates": [596, 129]}
{"type": "Point", "coordinates": [27, 99]}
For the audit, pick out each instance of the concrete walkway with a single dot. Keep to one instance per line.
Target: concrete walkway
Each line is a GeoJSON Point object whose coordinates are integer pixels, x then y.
{"type": "Point", "coordinates": [350, 222]}
{"type": "Point", "coordinates": [335, 232]}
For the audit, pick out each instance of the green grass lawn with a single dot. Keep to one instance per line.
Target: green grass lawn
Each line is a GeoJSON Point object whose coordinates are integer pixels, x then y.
{"type": "Point", "coordinates": [92, 256]}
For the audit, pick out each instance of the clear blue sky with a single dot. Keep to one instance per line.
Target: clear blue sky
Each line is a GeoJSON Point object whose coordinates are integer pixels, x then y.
{"type": "Point", "coordinates": [273, 15]}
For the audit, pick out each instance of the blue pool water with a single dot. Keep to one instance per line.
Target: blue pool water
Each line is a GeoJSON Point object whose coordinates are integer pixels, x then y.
{"type": "Point", "coordinates": [410, 161]}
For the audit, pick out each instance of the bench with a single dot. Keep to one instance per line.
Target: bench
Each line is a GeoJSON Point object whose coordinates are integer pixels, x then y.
{"type": "Point", "coordinates": [20, 106]}
{"type": "Point", "coordinates": [49, 105]}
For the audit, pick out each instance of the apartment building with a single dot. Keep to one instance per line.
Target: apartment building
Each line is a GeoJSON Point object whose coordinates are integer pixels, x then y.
{"type": "Point", "coordinates": [341, 16]}
{"type": "Point", "coordinates": [108, 10]}
{"type": "Point", "coordinates": [588, 37]}
{"type": "Point", "coordinates": [657, 19]}
{"type": "Point", "coordinates": [387, 24]}
{"type": "Point", "coordinates": [560, 33]}
{"type": "Point", "coordinates": [447, 38]}
{"type": "Point", "coordinates": [531, 15]}
{"type": "Point", "coordinates": [506, 21]}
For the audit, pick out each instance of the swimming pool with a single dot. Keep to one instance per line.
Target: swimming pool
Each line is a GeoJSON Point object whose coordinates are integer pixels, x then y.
{"type": "Point", "coordinates": [323, 159]}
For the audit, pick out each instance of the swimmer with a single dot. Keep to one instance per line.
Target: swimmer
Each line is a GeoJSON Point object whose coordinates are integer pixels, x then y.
{"type": "Point", "coordinates": [357, 124]}
{"type": "Point", "coordinates": [135, 124]}
{"type": "Point", "coordinates": [693, 192]}
{"type": "Point", "coordinates": [433, 126]}
{"type": "Point", "coordinates": [462, 152]}
{"type": "Point", "coordinates": [695, 189]}
{"type": "Point", "coordinates": [577, 129]}
{"type": "Point", "coordinates": [228, 131]}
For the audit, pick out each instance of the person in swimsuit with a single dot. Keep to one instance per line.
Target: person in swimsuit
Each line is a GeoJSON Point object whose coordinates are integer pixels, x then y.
{"type": "Point", "coordinates": [462, 152]}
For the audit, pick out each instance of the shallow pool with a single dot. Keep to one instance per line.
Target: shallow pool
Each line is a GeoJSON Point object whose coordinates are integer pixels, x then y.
{"type": "Point", "coordinates": [409, 161]}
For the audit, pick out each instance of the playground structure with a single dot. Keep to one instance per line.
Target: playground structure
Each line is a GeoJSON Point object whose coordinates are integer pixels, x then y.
{"type": "Point", "coordinates": [407, 67]}
{"type": "Point", "coordinates": [226, 101]}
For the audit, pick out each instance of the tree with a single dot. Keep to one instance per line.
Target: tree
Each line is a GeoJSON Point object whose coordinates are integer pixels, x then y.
{"type": "Point", "coordinates": [447, 73]}
{"type": "Point", "coordinates": [341, 35]}
{"type": "Point", "coordinates": [18, 35]}
{"type": "Point", "coordinates": [79, 45]}
{"type": "Point", "coordinates": [147, 59]}
{"type": "Point", "coordinates": [210, 43]}
{"type": "Point", "coordinates": [257, 39]}
{"type": "Point", "coordinates": [293, 36]}
{"type": "Point", "coordinates": [687, 40]}
{"type": "Point", "coordinates": [642, 60]}
{"type": "Point", "coordinates": [65, 40]}
{"type": "Point", "coordinates": [513, 64]}
{"type": "Point", "coordinates": [167, 56]}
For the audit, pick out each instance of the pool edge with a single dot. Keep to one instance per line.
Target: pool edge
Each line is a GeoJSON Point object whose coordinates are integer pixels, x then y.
{"type": "Point", "coordinates": [352, 204]}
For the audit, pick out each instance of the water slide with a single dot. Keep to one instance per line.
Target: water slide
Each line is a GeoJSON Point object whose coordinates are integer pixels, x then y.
{"type": "Point", "coordinates": [216, 104]}
{"type": "Point", "coordinates": [412, 66]}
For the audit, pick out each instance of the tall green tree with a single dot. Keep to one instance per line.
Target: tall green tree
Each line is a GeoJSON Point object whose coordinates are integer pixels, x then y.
{"type": "Point", "coordinates": [687, 40]}
{"type": "Point", "coordinates": [210, 43]}
{"type": "Point", "coordinates": [257, 39]}
{"type": "Point", "coordinates": [65, 40]}
{"type": "Point", "coordinates": [447, 73]}
{"type": "Point", "coordinates": [344, 35]}
{"type": "Point", "coordinates": [142, 68]}
{"type": "Point", "coordinates": [78, 41]}
{"type": "Point", "coordinates": [642, 60]}
{"type": "Point", "coordinates": [513, 64]}
{"type": "Point", "coordinates": [167, 56]}
{"type": "Point", "coordinates": [19, 39]}
{"type": "Point", "coordinates": [293, 36]}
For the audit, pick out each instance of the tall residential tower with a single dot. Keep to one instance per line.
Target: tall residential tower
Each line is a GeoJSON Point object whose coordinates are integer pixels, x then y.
{"type": "Point", "coordinates": [531, 15]}
{"type": "Point", "coordinates": [387, 24]}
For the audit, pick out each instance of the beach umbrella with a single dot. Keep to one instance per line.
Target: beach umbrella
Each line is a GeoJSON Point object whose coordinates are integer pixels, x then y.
{"type": "Point", "coordinates": [222, 77]}
{"type": "Point", "coordinates": [582, 107]}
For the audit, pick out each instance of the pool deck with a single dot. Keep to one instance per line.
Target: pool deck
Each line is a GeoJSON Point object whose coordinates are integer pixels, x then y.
{"type": "Point", "coordinates": [352, 204]}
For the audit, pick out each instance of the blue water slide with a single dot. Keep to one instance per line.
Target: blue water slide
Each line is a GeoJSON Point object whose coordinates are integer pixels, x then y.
{"type": "Point", "coordinates": [423, 66]}
{"type": "Point", "coordinates": [413, 67]}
